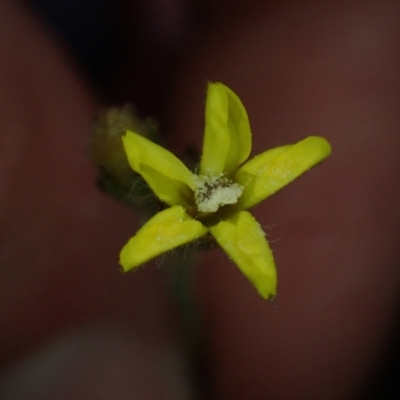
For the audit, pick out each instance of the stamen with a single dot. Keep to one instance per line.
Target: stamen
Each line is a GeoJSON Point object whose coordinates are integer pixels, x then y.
{"type": "Point", "coordinates": [213, 192]}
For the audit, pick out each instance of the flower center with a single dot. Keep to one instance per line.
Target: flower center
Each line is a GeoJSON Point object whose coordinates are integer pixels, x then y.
{"type": "Point", "coordinates": [213, 192]}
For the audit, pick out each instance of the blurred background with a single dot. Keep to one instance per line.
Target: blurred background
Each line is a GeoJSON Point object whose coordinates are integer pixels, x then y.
{"type": "Point", "coordinates": [136, 51]}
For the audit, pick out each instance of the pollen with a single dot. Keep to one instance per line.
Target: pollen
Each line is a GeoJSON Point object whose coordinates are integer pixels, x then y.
{"type": "Point", "coordinates": [211, 193]}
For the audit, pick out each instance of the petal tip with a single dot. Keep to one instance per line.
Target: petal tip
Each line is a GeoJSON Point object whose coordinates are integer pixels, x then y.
{"type": "Point", "coordinates": [126, 266]}
{"type": "Point", "coordinates": [321, 144]}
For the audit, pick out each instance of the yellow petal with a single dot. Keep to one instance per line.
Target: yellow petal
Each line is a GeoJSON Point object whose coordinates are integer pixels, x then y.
{"type": "Point", "coordinates": [268, 172]}
{"type": "Point", "coordinates": [165, 231]}
{"type": "Point", "coordinates": [227, 137]}
{"type": "Point", "coordinates": [244, 241]}
{"type": "Point", "coordinates": [167, 176]}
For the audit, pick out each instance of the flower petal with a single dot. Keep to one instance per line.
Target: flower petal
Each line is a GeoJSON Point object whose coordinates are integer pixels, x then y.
{"type": "Point", "coordinates": [227, 137]}
{"type": "Point", "coordinates": [165, 231]}
{"type": "Point", "coordinates": [167, 176]}
{"type": "Point", "coordinates": [244, 241]}
{"type": "Point", "coordinates": [268, 172]}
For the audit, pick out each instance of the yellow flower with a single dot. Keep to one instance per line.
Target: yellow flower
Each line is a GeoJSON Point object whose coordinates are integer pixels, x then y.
{"type": "Point", "coordinates": [214, 199]}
